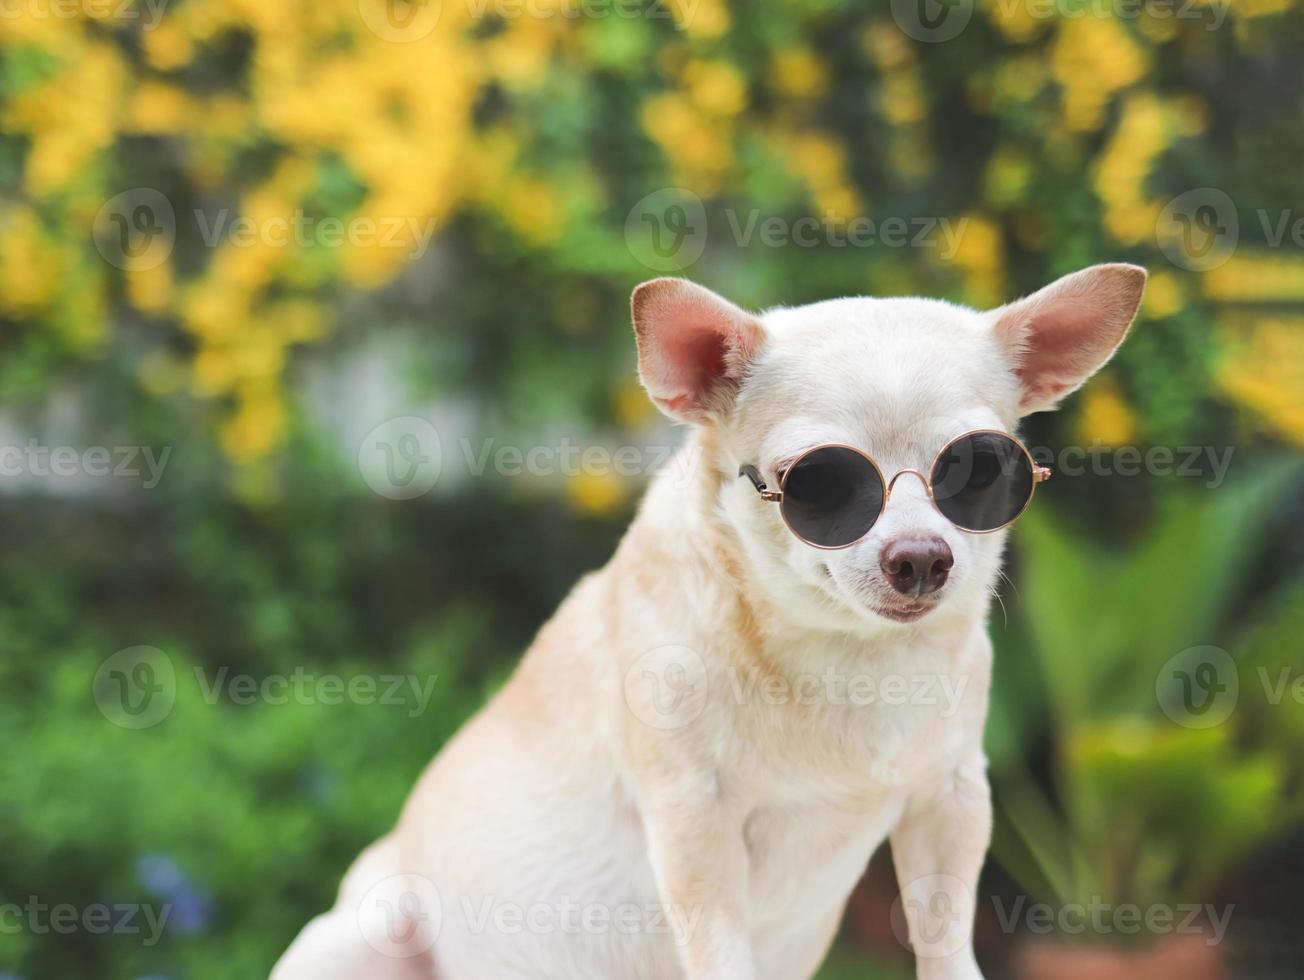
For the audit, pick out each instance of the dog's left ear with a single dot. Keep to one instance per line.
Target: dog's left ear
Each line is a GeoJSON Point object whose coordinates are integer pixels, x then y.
{"type": "Point", "coordinates": [693, 347]}
{"type": "Point", "coordinates": [1062, 334]}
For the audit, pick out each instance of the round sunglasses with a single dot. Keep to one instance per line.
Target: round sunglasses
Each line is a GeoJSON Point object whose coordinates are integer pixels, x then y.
{"type": "Point", "coordinates": [831, 495]}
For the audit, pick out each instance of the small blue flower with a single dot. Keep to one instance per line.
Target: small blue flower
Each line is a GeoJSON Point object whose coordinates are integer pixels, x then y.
{"type": "Point", "coordinates": [191, 907]}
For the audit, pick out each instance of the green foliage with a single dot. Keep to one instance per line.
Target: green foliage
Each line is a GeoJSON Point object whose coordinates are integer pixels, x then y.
{"type": "Point", "coordinates": [1152, 806]}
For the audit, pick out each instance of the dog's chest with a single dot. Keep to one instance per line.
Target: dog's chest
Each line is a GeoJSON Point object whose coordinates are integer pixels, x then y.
{"type": "Point", "coordinates": [849, 730]}
{"type": "Point", "coordinates": [828, 758]}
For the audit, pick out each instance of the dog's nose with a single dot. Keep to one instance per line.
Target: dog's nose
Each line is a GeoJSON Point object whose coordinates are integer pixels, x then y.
{"type": "Point", "coordinates": [918, 565]}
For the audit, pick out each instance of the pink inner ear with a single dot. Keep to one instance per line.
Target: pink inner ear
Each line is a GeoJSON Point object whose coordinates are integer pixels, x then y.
{"type": "Point", "coordinates": [692, 344]}
{"type": "Point", "coordinates": [694, 358]}
{"type": "Point", "coordinates": [1066, 346]}
{"type": "Point", "coordinates": [1064, 333]}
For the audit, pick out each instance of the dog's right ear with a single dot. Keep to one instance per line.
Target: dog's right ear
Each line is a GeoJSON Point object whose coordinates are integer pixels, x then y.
{"type": "Point", "coordinates": [693, 347]}
{"type": "Point", "coordinates": [1062, 334]}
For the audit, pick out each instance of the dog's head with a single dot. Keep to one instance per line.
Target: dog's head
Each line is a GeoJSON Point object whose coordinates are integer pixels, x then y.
{"type": "Point", "coordinates": [894, 378]}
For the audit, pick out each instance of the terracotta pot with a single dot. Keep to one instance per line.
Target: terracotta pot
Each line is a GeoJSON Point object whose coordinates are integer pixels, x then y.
{"type": "Point", "coordinates": [1170, 958]}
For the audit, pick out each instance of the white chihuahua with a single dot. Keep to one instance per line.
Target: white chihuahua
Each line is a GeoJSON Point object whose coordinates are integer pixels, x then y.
{"type": "Point", "coordinates": [785, 662]}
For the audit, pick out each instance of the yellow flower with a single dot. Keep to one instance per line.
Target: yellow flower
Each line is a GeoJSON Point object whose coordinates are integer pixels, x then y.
{"type": "Point", "coordinates": [888, 46]}
{"type": "Point", "coordinates": [1163, 296]}
{"type": "Point", "coordinates": [597, 494]}
{"type": "Point", "coordinates": [1119, 175]}
{"type": "Point", "coordinates": [70, 117]}
{"type": "Point", "coordinates": [1105, 417]}
{"type": "Point", "coordinates": [1093, 58]}
{"type": "Point", "coordinates": [798, 74]}
{"type": "Point", "coordinates": [1017, 21]}
{"type": "Point", "coordinates": [167, 46]}
{"type": "Point", "coordinates": [698, 147]}
{"type": "Point", "coordinates": [1256, 277]}
{"type": "Point", "coordinates": [633, 408]}
{"type": "Point", "coordinates": [901, 99]}
{"type": "Point", "coordinates": [530, 207]}
{"type": "Point", "coordinates": [157, 107]}
{"type": "Point", "coordinates": [716, 87]}
{"type": "Point", "coordinates": [1262, 368]}
{"type": "Point", "coordinates": [150, 289]}
{"type": "Point", "coordinates": [980, 253]}
{"type": "Point", "coordinates": [258, 425]}
{"type": "Point", "coordinates": [30, 266]}
{"type": "Point", "coordinates": [701, 18]}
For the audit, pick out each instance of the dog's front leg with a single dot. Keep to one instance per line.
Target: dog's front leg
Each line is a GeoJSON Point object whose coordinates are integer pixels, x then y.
{"type": "Point", "coordinates": [938, 847]}
{"type": "Point", "coordinates": [699, 858]}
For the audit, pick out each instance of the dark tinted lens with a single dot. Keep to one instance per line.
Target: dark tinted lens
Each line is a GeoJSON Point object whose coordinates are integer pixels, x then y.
{"type": "Point", "coordinates": [982, 480]}
{"type": "Point", "coordinates": [832, 497]}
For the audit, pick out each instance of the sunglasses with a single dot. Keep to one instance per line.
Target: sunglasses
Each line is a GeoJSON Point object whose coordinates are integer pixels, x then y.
{"type": "Point", "coordinates": [831, 496]}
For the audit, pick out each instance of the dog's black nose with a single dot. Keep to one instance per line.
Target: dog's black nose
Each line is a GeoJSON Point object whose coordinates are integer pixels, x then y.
{"type": "Point", "coordinates": [918, 565]}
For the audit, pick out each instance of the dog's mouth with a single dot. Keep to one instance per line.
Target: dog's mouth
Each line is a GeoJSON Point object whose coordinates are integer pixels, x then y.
{"type": "Point", "coordinates": [905, 610]}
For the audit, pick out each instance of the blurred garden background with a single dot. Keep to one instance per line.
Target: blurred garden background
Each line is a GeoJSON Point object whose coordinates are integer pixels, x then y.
{"type": "Point", "coordinates": [290, 289]}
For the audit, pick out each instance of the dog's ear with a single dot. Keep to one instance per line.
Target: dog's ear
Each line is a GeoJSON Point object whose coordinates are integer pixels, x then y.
{"type": "Point", "coordinates": [693, 347]}
{"type": "Point", "coordinates": [1062, 334]}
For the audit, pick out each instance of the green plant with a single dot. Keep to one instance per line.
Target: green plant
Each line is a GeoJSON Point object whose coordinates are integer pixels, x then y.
{"type": "Point", "coordinates": [1147, 808]}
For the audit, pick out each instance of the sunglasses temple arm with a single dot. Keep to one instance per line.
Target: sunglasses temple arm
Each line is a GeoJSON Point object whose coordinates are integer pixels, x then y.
{"type": "Point", "coordinates": [754, 475]}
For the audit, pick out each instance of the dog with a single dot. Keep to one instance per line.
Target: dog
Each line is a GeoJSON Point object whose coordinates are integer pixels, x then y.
{"type": "Point", "coordinates": [691, 767]}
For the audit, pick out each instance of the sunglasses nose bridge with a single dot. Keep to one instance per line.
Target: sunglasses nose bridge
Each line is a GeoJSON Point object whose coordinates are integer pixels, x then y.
{"type": "Point", "coordinates": [900, 473]}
